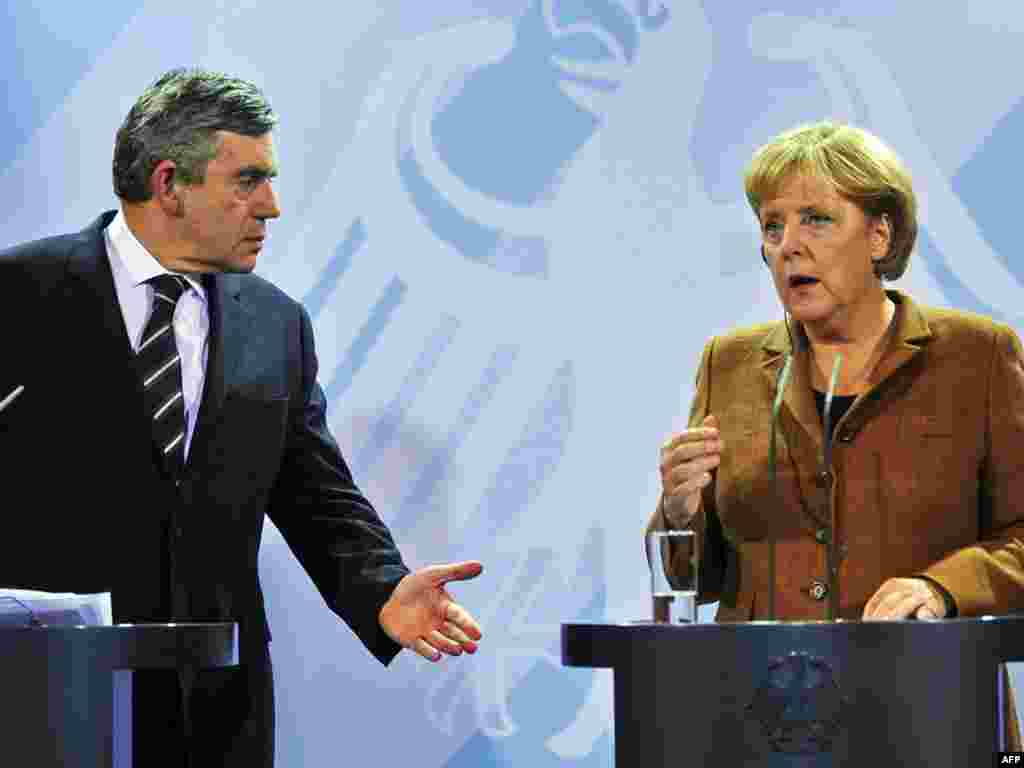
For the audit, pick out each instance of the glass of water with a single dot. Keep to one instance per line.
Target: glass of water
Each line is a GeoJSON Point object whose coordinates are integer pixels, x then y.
{"type": "Point", "coordinates": [672, 558]}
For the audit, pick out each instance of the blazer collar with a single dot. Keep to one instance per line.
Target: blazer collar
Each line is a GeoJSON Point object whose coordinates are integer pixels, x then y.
{"type": "Point", "coordinates": [88, 255]}
{"type": "Point", "coordinates": [88, 264]}
{"type": "Point", "coordinates": [911, 333]}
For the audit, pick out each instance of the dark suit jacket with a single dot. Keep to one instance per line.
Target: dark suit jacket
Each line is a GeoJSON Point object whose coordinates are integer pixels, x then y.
{"type": "Point", "coordinates": [86, 506]}
{"type": "Point", "coordinates": [927, 476]}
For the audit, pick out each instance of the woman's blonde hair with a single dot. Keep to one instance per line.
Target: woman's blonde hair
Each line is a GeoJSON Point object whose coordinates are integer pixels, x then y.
{"type": "Point", "coordinates": [858, 166]}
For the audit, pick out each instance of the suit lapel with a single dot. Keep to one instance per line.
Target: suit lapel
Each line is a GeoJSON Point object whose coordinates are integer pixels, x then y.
{"type": "Point", "coordinates": [91, 294]}
{"type": "Point", "coordinates": [799, 420]}
{"type": "Point", "coordinates": [89, 267]}
{"type": "Point", "coordinates": [230, 325]}
{"type": "Point", "coordinates": [798, 404]}
{"type": "Point", "coordinates": [799, 423]}
{"type": "Point", "coordinates": [910, 335]}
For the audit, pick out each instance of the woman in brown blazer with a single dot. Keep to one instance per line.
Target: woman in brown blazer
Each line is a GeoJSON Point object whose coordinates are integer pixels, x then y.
{"type": "Point", "coordinates": [922, 506]}
{"type": "Point", "coordinates": [914, 506]}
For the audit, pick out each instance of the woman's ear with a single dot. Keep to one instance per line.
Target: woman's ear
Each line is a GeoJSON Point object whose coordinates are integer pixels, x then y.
{"type": "Point", "coordinates": [881, 237]}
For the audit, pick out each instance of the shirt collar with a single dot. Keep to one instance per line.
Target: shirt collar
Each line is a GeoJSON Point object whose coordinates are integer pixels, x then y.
{"type": "Point", "coordinates": [139, 264]}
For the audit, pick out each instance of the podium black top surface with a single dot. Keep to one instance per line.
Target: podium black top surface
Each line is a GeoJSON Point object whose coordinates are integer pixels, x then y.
{"type": "Point", "coordinates": [609, 644]}
{"type": "Point", "coordinates": [128, 646]}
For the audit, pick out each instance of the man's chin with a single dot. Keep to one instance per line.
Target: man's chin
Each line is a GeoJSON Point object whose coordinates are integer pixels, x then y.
{"type": "Point", "coordinates": [243, 259]}
{"type": "Point", "coordinates": [241, 264]}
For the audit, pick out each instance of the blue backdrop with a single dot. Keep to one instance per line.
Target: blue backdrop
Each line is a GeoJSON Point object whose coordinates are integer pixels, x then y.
{"type": "Point", "coordinates": [514, 223]}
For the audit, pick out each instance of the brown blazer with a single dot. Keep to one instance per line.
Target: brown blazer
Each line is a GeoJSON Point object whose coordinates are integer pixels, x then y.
{"type": "Point", "coordinates": [927, 476]}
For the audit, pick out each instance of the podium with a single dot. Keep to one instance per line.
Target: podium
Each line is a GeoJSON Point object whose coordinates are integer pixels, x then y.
{"type": "Point", "coordinates": [807, 694]}
{"type": "Point", "coordinates": [57, 701]}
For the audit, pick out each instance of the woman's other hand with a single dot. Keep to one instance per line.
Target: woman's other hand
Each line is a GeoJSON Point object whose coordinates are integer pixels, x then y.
{"type": "Point", "coordinates": [687, 461]}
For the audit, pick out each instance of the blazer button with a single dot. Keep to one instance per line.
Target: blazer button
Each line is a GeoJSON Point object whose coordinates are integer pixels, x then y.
{"type": "Point", "coordinates": [824, 479]}
{"type": "Point", "coordinates": [821, 535]}
{"type": "Point", "coordinates": [847, 435]}
{"type": "Point", "coordinates": [818, 589]}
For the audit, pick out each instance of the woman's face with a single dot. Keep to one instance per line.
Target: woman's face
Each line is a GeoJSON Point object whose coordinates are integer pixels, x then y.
{"type": "Point", "coordinates": [820, 248]}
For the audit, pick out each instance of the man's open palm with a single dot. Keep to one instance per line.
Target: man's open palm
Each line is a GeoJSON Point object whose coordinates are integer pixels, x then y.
{"type": "Point", "coordinates": [421, 615]}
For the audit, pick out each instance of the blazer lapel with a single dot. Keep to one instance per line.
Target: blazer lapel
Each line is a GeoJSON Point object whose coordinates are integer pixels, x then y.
{"type": "Point", "coordinates": [910, 335]}
{"type": "Point", "coordinates": [230, 324]}
{"type": "Point", "coordinates": [800, 423]}
{"type": "Point", "coordinates": [798, 401]}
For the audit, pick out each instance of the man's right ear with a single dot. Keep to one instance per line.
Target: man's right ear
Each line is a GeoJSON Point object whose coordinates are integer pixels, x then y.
{"type": "Point", "coordinates": [165, 191]}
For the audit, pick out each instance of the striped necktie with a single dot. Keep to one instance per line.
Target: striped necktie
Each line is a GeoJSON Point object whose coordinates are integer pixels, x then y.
{"type": "Point", "coordinates": [160, 368]}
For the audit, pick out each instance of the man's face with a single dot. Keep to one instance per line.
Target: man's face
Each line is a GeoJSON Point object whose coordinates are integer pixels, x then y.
{"type": "Point", "coordinates": [224, 218]}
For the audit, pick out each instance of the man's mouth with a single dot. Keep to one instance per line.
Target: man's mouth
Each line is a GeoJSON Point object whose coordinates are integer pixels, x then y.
{"type": "Point", "coordinates": [797, 281]}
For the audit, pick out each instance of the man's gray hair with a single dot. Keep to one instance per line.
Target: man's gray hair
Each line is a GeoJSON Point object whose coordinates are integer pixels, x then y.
{"type": "Point", "coordinates": [176, 118]}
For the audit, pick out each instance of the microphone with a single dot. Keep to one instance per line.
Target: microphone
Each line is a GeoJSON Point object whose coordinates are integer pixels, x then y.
{"type": "Point", "coordinates": [825, 466]}
{"type": "Point", "coordinates": [14, 394]}
{"type": "Point", "coordinates": [831, 562]}
{"type": "Point", "coordinates": [780, 390]}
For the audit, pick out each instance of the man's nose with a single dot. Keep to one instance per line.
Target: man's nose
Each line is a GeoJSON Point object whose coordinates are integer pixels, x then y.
{"type": "Point", "coordinates": [266, 205]}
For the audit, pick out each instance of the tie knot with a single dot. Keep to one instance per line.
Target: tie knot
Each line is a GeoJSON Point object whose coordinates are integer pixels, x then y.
{"type": "Point", "coordinates": [167, 288]}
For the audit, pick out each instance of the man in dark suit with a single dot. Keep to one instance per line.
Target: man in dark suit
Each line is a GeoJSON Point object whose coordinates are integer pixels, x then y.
{"type": "Point", "coordinates": [166, 401]}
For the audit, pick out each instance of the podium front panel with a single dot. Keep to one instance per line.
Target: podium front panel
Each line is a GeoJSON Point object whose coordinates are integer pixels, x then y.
{"type": "Point", "coordinates": [778, 694]}
{"type": "Point", "coordinates": [57, 685]}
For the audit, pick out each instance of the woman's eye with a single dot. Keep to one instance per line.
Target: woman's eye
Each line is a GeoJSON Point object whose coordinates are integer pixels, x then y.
{"type": "Point", "coordinates": [818, 218]}
{"type": "Point", "coordinates": [772, 229]}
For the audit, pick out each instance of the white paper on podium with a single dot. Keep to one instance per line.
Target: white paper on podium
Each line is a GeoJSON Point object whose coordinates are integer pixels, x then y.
{"type": "Point", "coordinates": [88, 610]}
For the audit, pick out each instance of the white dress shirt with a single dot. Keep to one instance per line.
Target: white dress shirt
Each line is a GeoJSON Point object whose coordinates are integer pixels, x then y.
{"type": "Point", "coordinates": [132, 265]}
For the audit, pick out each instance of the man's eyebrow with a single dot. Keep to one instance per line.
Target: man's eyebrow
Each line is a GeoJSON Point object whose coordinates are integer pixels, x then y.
{"type": "Point", "coordinates": [258, 172]}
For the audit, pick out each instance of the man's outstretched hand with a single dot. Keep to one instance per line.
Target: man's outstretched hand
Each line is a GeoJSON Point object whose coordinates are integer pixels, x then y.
{"type": "Point", "coordinates": [421, 615]}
